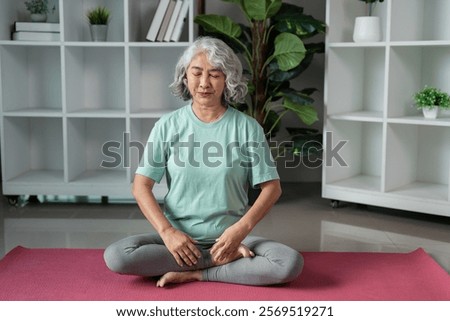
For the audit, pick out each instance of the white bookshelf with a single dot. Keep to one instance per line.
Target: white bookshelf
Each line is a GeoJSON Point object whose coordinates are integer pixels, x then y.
{"type": "Point", "coordinates": [60, 102]}
{"type": "Point", "coordinates": [394, 157]}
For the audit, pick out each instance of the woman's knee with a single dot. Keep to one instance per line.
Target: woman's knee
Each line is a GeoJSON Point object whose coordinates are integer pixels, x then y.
{"type": "Point", "coordinates": [290, 267]}
{"type": "Point", "coordinates": [115, 259]}
{"type": "Point", "coordinates": [287, 263]}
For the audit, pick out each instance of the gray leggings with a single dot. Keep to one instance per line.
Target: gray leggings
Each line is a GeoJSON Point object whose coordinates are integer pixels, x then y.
{"type": "Point", "coordinates": [146, 255]}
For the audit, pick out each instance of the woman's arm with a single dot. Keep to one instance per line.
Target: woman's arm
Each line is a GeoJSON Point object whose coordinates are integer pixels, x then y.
{"type": "Point", "coordinates": [178, 243]}
{"type": "Point", "coordinates": [227, 244]}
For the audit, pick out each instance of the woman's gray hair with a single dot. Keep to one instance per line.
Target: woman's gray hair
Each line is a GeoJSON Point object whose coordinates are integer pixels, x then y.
{"type": "Point", "coordinates": [221, 56]}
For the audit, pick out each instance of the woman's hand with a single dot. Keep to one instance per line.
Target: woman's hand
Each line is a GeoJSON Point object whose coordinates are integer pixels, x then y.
{"type": "Point", "coordinates": [181, 245]}
{"type": "Point", "coordinates": [228, 243]}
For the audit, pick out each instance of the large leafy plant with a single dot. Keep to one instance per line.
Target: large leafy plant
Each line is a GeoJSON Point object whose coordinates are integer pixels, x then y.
{"type": "Point", "coordinates": [273, 53]}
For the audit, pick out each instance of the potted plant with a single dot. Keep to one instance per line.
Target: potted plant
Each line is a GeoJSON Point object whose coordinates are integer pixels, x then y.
{"type": "Point", "coordinates": [367, 28]}
{"type": "Point", "coordinates": [273, 53]}
{"type": "Point", "coordinates": [430, 100]}
{"type": "Point", "coordinates": [98, 23]}
{"type": "Point", "coordinates": [38, 10]}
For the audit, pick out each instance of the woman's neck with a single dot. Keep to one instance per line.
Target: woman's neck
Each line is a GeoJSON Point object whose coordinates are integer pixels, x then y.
{"type": "Point", "coordinates": [208, 114]}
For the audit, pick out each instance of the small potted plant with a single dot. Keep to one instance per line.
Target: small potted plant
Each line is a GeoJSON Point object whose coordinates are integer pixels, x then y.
{"type": "Point", "coordinates": [98, 23]}
{"type": "Point", "coordinates": [430, 100]}
{"type": "Point", "coordinates": [38, 10]}
{"type": "Point", "coordinates": [367, 28]}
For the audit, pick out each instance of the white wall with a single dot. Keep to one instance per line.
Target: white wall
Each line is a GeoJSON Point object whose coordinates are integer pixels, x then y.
{"type": "Point", "coordinates": [312, 77]}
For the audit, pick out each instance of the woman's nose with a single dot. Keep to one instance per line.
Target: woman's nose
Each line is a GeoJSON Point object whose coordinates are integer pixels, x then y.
{"type": "Point", "coordinates": [204, 81]}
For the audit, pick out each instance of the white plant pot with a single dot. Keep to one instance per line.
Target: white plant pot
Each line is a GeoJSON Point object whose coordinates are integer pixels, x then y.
{"type": "Point", "coordinates": [38, 17]}
{"type": "Point", "coordinates": [430, 113]}
{"type": "Point", "coordinates": [99, 32]}
{"type": "Point", "coordinates": [367, 29]}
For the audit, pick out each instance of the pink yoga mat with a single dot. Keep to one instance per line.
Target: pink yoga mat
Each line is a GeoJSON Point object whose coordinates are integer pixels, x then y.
{"type": "Point", "coordinates": [80, 274]}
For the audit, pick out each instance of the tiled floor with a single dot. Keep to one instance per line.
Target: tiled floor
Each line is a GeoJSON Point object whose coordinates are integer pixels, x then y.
{"type": "Point", "coordinates": [301, 219]}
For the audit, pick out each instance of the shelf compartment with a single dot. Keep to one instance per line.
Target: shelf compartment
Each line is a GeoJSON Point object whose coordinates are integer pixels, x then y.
{"type": "Point", "coordinates": [421, 164]}
{"type": "Point", "coordinates": [95, 150]}
{"type": "Point", "coordinates": [421, 20]}
{"type": "Point", "coordinates": [410, 69]}
{"type": "Point", "coordinates": [341, 16]}
{"type": "Point", "coordinates": [357, 76]}
{"type": "Point", "coordinates": [15, 10]}
{"type": "Point", "coordinates": [95, 80]}
{"type": "Point", "coordinates": [140, 16]}
{"type": "Point", "coordinates": [361, 155]}
{"type": "Point", "coordinates": [76, 25]}
{"type": "Point", "coordinates": [34, 78]}
{"type": "Point", "coordinates": [150, 80]}
{"type": "Point", "coordinates": [33, 150]}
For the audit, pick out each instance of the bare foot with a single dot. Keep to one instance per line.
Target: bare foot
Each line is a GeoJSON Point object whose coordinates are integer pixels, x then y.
{"type": "Point", "coordinates": [179, 277]}
{"type": "Point", "coordinates": [241, 252]}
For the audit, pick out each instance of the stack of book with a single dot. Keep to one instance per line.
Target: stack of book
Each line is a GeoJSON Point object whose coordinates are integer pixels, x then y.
{"type": "Point", "coordinates": [167, 24]}
{"type": "Point", "coordinates": [36, 31]}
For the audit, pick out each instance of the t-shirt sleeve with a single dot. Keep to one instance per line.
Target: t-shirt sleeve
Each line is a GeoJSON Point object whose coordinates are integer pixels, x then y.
{"type": "Point", "coordinates": [153, 162]}
{"type": "Point", "coordinates": [262, 167]}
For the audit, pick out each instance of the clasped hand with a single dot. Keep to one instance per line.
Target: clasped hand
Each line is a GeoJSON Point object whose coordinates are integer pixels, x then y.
{"type": "Point", "coordinates": [227, 246]}
{"type": "Point", "coordinates": [182, 247]}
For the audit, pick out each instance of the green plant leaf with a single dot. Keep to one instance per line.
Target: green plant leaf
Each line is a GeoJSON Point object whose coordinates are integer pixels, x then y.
{"type": "Point", "coordinates": [219, 24]}
{"type": "Point", "coordinates": [297, 97]}
{"type": "Point", "coordinates": [277, 75]}
{"type": "Point", "coordinates": [289, 51]}
{"type": "Point", "coordinates": [305, 141]}
{"type": "Point", "coordinates": [306, 113]}
{"type": "Point", "coordinates": [271, 119]}
{"type": "Point", "coordinates": [261, 9]}
{"type": "Point", "coordinates": [291, 19]}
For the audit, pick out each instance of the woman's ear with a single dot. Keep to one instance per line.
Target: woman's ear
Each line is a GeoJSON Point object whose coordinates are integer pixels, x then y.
{"type": "Point", "coordinates": [185, 81]}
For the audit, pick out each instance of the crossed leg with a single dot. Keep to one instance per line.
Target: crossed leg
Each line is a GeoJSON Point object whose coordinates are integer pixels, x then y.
{"type": "Point", "coordinates": [197, 275]}
{"type": "Point", "coordinates": [146, 255]}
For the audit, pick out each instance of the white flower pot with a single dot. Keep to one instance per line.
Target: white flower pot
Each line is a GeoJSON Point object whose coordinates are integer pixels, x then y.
{"type": "Point", "coordinates": [38, 17]}
{"type": "Point", "coordinates": [367, 29]}
{"type": "Point", "coordinates": [430, 113]}
{"type": "Point", "coordinates": [99, 32]}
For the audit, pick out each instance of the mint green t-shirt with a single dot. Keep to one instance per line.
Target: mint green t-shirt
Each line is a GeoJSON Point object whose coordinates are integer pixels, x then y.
{"type": "Point", "coordinates": [208, 167]}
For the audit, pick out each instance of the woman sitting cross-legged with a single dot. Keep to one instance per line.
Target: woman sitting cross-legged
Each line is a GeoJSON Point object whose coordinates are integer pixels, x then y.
{"type": "Point", "coordinates": [210, 154]}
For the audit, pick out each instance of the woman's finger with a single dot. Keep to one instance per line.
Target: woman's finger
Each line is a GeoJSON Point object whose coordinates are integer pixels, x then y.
{"type": "Point", "coordinates": [195, 251]}
{"type": "Point", "coordinates": [178, 259]}
{"type": "Point", "coordinates": [189, 258]}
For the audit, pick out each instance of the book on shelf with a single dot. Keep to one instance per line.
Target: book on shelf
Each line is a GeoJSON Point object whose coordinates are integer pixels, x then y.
{"type": "Point", "coordinates": [35, 36]}
{"type": "Point", "coordinates": [157, 20]}
{"type": "Point", "coordinates": [36, 26]}
{"type": "Point", "coordinates": [165, 23]}
{"type": "Point", "coordinates": [173, 20]}
{"type": "Point", "coordinates": [178, 28]}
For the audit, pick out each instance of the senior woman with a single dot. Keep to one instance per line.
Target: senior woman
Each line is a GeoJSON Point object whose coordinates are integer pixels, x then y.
{"type": "Point", "coordinates": [210, 154]}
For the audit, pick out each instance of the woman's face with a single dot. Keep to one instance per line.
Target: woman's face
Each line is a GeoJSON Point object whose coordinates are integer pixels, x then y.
{"type": "Point", "coordinates": [205, 82]}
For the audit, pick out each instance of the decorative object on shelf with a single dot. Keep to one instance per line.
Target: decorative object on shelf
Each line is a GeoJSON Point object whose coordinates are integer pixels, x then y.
{"type": "Point", "coordinates": [38, 10]}
{"type": "Point", "coordinates": [36, 31]}
{"type": "Point", "coordinates": [98, 23]}
{"type": "Point", "coordinates": [168, 21]}
{"type": "Point", "coordinates": [367, 28]}
{"type": "Point", "coordinates": [274, 53]}
{"type": "Point", "coordinates": [430, 100]}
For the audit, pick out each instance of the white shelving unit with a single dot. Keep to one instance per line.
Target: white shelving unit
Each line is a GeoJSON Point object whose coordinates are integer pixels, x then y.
{"type": "Point", "coordinates": [393, 156]}
{"type": "Point", "coordinates": [61, 102]}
